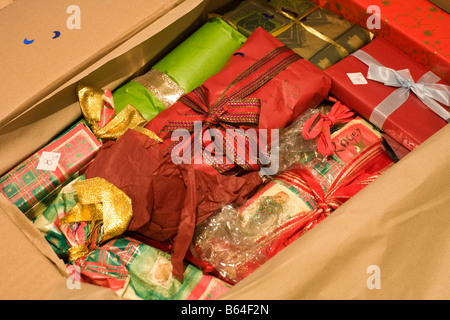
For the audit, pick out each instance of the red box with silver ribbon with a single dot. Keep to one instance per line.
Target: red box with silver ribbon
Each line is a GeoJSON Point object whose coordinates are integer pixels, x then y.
{"type": "Point", "coordinates": [394, 92]}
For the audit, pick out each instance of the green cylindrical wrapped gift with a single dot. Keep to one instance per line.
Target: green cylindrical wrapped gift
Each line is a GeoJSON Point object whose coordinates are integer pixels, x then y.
{"type": "Point", "coordinates": [186, 67]}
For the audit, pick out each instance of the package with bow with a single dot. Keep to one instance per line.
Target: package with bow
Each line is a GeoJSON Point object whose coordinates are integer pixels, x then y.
{"type": "Point", "coordinates": [220, 126]}
{"type": "Point", "coordinates": [36, 177]}
{"type": "Point", "coordinates": [309, 136]}
{"type": "Point", "coordinates": [315, 33]}
{"type": "Point", "coordinates": [238, 239]}
{"type": "Point", "coordinates": [393, 91]}
{"type": "Point", "coordinates": [168, 199]}
{"type": "Point", "coordinates": [417, 27]}
{"type": "Point", "coordinates": [186, 67]}
{"type": "Point", "coordinates": [89, 240]}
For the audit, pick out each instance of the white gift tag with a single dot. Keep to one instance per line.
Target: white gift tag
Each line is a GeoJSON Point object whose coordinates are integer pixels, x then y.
{"type": "Point", "coordinates": [357, 78]}
{"type": "Point", "coordinates": [48, 161]}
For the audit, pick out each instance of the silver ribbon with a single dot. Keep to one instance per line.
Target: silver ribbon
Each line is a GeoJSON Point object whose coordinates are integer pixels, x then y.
{"type": "Point", "coordinates": [426, 89]}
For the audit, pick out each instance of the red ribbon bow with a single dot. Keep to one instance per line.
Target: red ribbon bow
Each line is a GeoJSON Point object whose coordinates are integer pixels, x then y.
{"type": "Point", "coordinates": [232, 109]}
{"type": "Point", "coordinates": [321, 128]}
{"type": "Point", "coordinates": [364, 168]}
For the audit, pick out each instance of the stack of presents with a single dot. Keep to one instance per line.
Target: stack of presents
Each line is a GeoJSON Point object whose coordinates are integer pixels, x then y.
{"type": "Point", "coordinates": [185, 179]}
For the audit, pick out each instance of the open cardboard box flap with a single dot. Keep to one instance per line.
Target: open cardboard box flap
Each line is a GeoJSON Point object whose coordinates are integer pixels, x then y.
{"type": "Point", "coordinates": [389, 242]}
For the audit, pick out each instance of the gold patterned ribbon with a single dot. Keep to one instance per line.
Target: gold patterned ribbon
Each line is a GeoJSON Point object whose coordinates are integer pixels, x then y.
{"type": "Point", "coordinates": [92, 103]}
{"type": "Point", "coordinates": [101, 203]}
{"type": "Point", "coordinates": [161, 86]}
{"type": "Point", "coordinates": [297, 21]}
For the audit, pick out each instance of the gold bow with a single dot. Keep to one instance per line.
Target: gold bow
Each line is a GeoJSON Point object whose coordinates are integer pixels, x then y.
{"type": "Point", "coordinates": [99, 202]}
{"type": "Point", "coordinates": [92, 103]}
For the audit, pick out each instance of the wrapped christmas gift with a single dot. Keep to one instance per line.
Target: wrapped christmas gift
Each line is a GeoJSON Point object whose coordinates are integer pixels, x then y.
{"type": "Point", "coordinates": [393, 91]}
{"type": "Point", "coordinates": [417, 27]}
{"type": "Point", "coordinates": [296, 145]}
{"type": "Point", "coordinates": [238, 239]}
{"type": "Point", "coordinates": [138, 271]}
{"type": "Point", "coordinates": [168, 199]}
{"type": "Point", "coordinates": [130, 268]}
{"type": "Point", "coordinates": [186, 67]}
{"type": "Point", "coordinates": [33, 179]}
{"type": "Point", "coordinates": [315, 33]}
{"type": "Point", "coordinates": [263, 87]}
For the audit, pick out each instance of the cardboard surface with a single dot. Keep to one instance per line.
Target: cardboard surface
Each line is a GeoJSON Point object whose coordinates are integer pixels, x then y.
{"type": "Point", "coordinates": [399, 223]}
{"type": "Point", "coordinates": [59, 107]}
{"type": "Point", "coordinates": [46, 62]}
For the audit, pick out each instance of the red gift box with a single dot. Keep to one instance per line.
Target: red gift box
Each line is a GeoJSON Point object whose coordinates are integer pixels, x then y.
{"type": "Point", "coordinates": [417, 27]}
{"type": "Point", "coordinates": [274, 104]}
{"type": "Point", "coordinates": [28, 183]}
{"type": "Point", "coordinates": [413, 121]}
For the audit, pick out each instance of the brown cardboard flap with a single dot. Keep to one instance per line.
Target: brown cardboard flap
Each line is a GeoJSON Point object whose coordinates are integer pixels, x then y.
{"type": "Point", "coordinates": [29, 267]}
{"type": "Point", "coordinates": [60, 108]}
{"type": "Point", "coordinates": [29, 72]}
{"type": "Point", "coordinates": [396, 228]}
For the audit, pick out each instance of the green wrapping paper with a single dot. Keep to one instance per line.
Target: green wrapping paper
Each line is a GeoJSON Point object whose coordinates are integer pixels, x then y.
{"type": "Point", "coordinates": [185, 68]}
{"type": "Point", "coordinates": [315, 33]}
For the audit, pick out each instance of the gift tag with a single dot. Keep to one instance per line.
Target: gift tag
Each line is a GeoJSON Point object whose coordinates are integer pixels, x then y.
{"type": "Point", "coordinates": [48, 161]}
{"type": "Point", "coordinates": [357, 78]}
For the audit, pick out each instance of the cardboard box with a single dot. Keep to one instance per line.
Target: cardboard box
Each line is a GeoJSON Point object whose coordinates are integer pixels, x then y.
{"type": "Point", "coordinates": [388, 242]}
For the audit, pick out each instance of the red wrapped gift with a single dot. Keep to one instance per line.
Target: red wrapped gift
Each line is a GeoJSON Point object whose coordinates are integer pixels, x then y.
{"type": "Point", "coordinates": [264, 85]}
{"type": "Point", "coordinates": [395, 93]}
{"type": "Point", "coordinates": [417, 27]}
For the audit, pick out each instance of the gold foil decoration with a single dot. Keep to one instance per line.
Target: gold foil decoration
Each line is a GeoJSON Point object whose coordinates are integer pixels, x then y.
{"type": "Point", "coordinates": [128, 118]}
{"type": "Point", "coordinates": [161, 85]}
{"type": "Point", "coordinates": [148, 133]}
{"type": "Point", "coordinates": [91, 103]}
{"type": "Point", "coordinates": [78, 252]}
{"type": "Point", "coordinates": [99, 201]}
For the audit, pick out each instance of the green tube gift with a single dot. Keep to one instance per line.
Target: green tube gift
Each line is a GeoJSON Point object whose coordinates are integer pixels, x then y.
{"type": "Point", "coordinates": [186, 67]}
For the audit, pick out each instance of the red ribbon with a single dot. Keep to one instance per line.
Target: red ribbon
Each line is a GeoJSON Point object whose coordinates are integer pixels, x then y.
{"type": "Point", "coordinates": [318, 126]}
{"type": "Point", "coordinates": [364, 168]}
{"type": "Point", "coordinates": [232, 109]}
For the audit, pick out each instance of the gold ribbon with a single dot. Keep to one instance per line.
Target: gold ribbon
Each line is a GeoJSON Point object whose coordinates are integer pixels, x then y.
{"type": "Point", "coordinates": [78, 252]}
{"type": "Point", "coordinates": [161, 85]}
{"type": "Point", "coordinates": [343, 52]}
{"type": "Point", "coordinates": [91, 103]}
{"type": "Point", "coordinates": [99, 202]}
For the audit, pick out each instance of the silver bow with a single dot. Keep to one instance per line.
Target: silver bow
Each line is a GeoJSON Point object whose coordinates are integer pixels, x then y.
{"type": "Point", "coordinates": [426, 89]}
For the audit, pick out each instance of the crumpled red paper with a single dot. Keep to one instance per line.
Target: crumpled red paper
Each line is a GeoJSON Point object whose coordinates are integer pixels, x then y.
{"type": "Point", "coordinates": [168, 200]}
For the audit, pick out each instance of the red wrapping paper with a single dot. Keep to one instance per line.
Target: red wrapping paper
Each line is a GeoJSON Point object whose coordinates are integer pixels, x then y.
{"type": "Point", "coordinates": [168, 200]}
{"type": "Point", "coordinates": [282, 99]}
{"type": "Point", "coordinates": [417, 27]}
{"type": "Point", "coordinates": [413, 122]}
